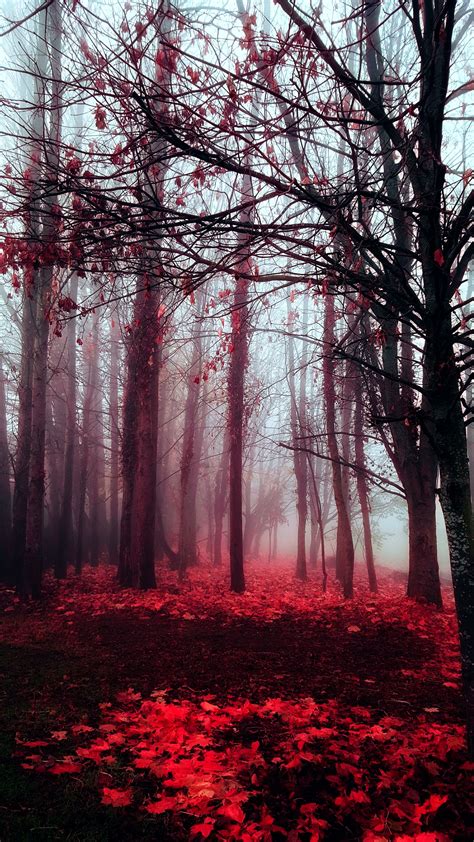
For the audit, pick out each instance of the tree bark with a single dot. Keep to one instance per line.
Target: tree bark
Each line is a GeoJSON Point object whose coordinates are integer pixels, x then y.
{"type": "Point", "coordinates": [114, 446]}
{"type": "Point", "coordinates": [362, 485]}
{"type": "Point", "coordinates": [220, 501]}
{"type": "Point", "coordinates": [187, 532]}
{"type": "Point", "coordinates": [139, 445]}
{"type": "Point", "coordinates": [65, 526]}
{"type": "Point", "coordinates": [297, 416]}
{"type": "Point", "coordinates": [36, 485]}
{"type": "Point", "coordinates": [84, 451]}
{"type": "Point", "coordinates": [236, 397]}
{"type": "Point", "coordinates": [5, 496]}
{"type": "Point", "coordinates": [345, 546]}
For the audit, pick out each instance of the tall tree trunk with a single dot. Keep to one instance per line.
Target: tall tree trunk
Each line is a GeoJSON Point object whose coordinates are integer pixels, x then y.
{"type": "Point", "coordinates": [345, 433]}
{"type": "Point", "coordinates": [345, 546]}
{"type": "Point", "coordinates": [35, 507]}
{"type": "Point", "coordinates": [416, 464]}
{"type": "Point", "coordinates": [187, 532]}
{"type": "Point", "coordinates": [236, 397]}
{"type": "Point", "coordinates": [237, 368]}
{"type": "Point", "coordinates": [55, 439]}
{"type": "Point", "coordinates": [220, 501]}
{"type": "Point", "coordinates": [470, 388]}
{"type": "Point", "coordinates": [313, 541]}
{"type": "Point", "coordinates": [114, 445]}
{"type": "Point", "coordinates": [362, 486]}
{"type": "Point", "coordinates": [161, 466]}
{"type": "Point", "coordinates": [84, 451]}
{"type": "Point", "coordinates": [65, 527]}
{"type": "Point", "coordinates": [96, 477]}
{"type": "Point", "coordinates": [28, 322]}
{"type": "Point", "coordinates": [455, 495]}
{"type": "Point", "coordinates": [139, 445]}
{"type": "Point", "coordinates": [22, 460]}
{"type": "Point", "coordinates": [297, 416]}
{"type": "Point", "coordinates": [193, 485]}
{"type": "Point", "coordinates": [5, 496]}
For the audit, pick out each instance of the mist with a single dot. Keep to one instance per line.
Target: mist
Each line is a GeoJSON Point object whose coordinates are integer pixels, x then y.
{"type": "Point", "coordinates": [236, 438]}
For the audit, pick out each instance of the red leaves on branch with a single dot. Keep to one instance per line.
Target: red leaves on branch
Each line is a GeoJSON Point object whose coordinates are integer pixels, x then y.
{"type": "Point", "coordinates": [100, 117]}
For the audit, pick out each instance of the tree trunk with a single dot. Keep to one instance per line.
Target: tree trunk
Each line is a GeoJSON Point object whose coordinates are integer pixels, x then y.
{"type": "Point", "coordinates": [345, 546]}
{"type": "Point", "coordinates": [139, 445]}
{"type": "Point", "coordinates": [83, 471]}
{"type": "Point", "coordinates": [43, 280]}
{"type": "Point", "coordinates": [236, 397]}
{"type": "Point", "coordinates": [65, 528]}
{"type": "Point", "coordinates": [455, 495]}
{"type": "Point", "coordinates": [22, 460]}
{"type": "Point", "coordinates": [96, 477]}
{"type": "Point", "coordinates": [362, 486]}
{"type": "Point", "coordinates": [297, 423]}
{"type": "Point", "coordinates": [220, 501]}
{"type": "Point", "coordinates": [114, 446]}
{"type": "Point", "coordinates": [36, 485]}
{"type": "Point", "coordinates": [237, 368]}
{"type": "Point", "coordinates": [187, 532]}
{"type": "Point", "coordinates": [5, 496]}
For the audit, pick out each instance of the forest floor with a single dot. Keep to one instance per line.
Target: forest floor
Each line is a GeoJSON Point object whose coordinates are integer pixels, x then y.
{"type": "Point", "coordinates": [193, 713]}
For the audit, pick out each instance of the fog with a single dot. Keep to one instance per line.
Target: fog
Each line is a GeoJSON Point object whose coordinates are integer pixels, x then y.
{"type": "Point", "coordinates": [217, 311]}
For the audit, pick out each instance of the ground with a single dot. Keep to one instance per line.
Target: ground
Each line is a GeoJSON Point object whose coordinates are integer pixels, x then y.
{"type": "Point", "coordinates": [191, 713]}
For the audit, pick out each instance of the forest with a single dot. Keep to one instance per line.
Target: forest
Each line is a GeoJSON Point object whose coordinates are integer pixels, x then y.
{"type": "Point", "coordinates": [236, 420]}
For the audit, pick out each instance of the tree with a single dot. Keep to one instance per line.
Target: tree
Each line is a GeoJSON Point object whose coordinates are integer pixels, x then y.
{"type": "Point", "coordinates": [5, 495]}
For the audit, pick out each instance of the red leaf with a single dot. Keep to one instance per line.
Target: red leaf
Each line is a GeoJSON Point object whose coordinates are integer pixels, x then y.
{"type": "Point", "coordinates": [116, 797]}
{"type": "Point", "coordinates": [233, 812]}
{"type": "Point", "coordinates": [161, 806]}
{"type": "Point", "coordinates": [431, 805]}
{"type": "Point", "coordinates": [65, 768]}
{"type": "Point", "coordinates": [438, 257]}
{"type": "Point", "coordinates": [205, 828]}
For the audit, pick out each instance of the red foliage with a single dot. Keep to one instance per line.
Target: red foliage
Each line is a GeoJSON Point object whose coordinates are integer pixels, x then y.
{"type": "Point", "coordinates": [253, 768]}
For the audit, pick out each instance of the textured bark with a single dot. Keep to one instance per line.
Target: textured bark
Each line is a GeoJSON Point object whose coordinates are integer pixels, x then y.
{"type": "Point", "coordinates": [193, 486]}
{"type": "Point", "coordinates": [114, 446]}
{"type": "Point", "coordinates": [314, 540]}
{"type": "Point", "coordinates": [236, 398]}
{"type": "Point", "coordinates": [237, 368]}
{"type": "Point", "coordinates": [297, 423]}
{"type": "Point", "coordinates": [220, 501]}
{"type": "Point", "coordinates": [96, 477]}
{"type": "Point", "coordinates": [416, 464]}
{"type": "Point", "coordinates": [28, 327]}
{"type": "Point", "coordinates": [161, 465]}
{"type": "Point", "coordinates": [22, 460]}
{"type": "Point", "coordinates": [65, 527]}
{"type": "Point", "coordinates": [188, 479]}
{"type": "Point", "coordinates": [345, 435]}
{"type": "Point", "coordinates": [144, 497]}
{"type": "Point", "coordinates": [84, 451]}
{"type": "Point", "coordinates": [470, 390]}
{"type": "Point", "coordinates": [5, 496]}
{"type": "Point", "coordinates": [137, 538]}
{"type": "Point", "coordinates": [43, 282]}
{"type": "Point", "coordinates": [55, 440]}
{"type": "Point", "coordinates": [345, 546]}
{"type": "Point", "coordinates": [362, 486]}
{"type": "Point", "coordinates": [455, 494]}
{"type": "Point", "coordinates": [249, 525]}
{"type": "Point", "coordinates": [165, 446]}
